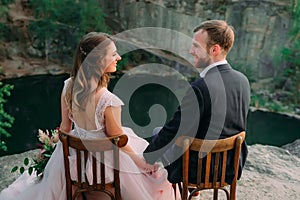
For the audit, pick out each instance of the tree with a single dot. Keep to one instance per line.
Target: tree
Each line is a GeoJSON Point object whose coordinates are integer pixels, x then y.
{"type": "Point", "coordinates": [56, 32]}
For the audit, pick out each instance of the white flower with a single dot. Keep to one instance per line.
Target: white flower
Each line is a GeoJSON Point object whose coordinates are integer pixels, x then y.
{"type": "Point", "coordinates": [43, 137]}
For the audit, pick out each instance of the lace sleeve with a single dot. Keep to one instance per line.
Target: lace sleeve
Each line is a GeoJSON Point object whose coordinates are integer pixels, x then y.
{"type": "Point", "coordinates": [66, 82]}
{"type": "Point", "coordinates": [115, 101]}
{"type": "Point", "coordinates": [107, 99]}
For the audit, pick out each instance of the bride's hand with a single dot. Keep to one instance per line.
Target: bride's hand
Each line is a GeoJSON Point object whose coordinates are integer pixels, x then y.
{"type": "Point", "coordinates": [150, 169]}
{"type": "Point", "coordinates": [144, 166]}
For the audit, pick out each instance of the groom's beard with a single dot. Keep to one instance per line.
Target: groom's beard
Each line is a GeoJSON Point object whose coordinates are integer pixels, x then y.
{"type": "Point", "coordinates": [203, 62]}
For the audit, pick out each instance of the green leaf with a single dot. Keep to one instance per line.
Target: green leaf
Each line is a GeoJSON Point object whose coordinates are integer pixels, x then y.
{"type": "Point", "coordinates": [30, 170]}
{"type": "Point", "coordinates": [15, 168]}
{"type": "Point", "coordinates": [22, 169]}
{"type": "Point", "coordinates": [47, 155]}
{"type": "Point", "coordinates": [26, 161]}
{"type": "Point", "coordinates": [5, 119]}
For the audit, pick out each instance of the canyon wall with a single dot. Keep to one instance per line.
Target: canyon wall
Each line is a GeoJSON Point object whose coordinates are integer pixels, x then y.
{"type": "Point", "coordinates": [261, 26]}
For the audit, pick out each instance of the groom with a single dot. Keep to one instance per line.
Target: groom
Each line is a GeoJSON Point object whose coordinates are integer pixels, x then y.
{"type": "Point", "coordinates": [215, 107]}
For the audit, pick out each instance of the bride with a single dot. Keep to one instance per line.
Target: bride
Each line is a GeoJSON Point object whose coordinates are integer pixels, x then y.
{"type": "Point", "coordinates": [89, 110]}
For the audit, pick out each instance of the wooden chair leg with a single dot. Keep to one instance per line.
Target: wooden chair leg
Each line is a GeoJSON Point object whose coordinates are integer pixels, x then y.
{"type": "Point", "coordinates": [233, 191]}
{"type": "Point", "coordinates": [174, 185]}
{"type": "Point", "coordinates": [215, 194]}
{"type": "Point", "coordinates": [184, 192]}
{"type": "Point", "coordinates": [174, 188]}
{"type": "Point", "coordinates": [226, 193]}
{"type": "Point", "coordinates": [83, 196]}
{"type": "Point", "coordinates": [180, 188]}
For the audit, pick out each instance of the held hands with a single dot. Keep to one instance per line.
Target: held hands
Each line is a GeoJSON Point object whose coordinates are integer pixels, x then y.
{"type": "Point", "coordinates": [144, 166]}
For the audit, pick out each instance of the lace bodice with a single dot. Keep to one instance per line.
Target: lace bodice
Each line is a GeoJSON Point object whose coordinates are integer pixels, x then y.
{"type": "Point", "coordinates": [106, 99]}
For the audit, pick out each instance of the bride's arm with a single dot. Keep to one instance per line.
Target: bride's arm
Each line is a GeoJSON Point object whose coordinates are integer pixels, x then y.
{"type": "Point", "coordinates": [112, 116]}
{"type": "Point", "coordinates": [66, 123]}
{"type": "Point", "coordinates": [113, 125]}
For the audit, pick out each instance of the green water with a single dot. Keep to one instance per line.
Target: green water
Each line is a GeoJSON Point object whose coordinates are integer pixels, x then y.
{"type": "Point", "coordinates": [35, 104]}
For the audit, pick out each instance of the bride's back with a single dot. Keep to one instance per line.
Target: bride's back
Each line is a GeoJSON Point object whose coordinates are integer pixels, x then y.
{"type": "Point", "coordinates": [86, 118]}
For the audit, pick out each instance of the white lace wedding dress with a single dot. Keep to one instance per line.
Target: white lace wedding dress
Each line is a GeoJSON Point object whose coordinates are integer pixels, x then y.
{"type": "Point", "coordinates": [134, 184]}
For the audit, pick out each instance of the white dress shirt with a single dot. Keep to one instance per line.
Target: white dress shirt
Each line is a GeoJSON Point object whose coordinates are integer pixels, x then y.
{"type": "Point", "coordinates": [206, 69]}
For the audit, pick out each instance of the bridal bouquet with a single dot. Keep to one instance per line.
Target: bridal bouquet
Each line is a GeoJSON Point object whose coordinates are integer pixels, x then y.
{"type": "Point", "coordinates": [47, 145]}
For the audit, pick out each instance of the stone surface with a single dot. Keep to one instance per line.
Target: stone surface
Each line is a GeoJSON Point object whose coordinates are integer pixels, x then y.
{"type": "Point", "coordinates": [271, 173]}
{"type": "Point", "coordinates": [293, 148]}
{"type": "Point", "coordinates": [8, 162]}
{"type": "Point", "coordinates": [18, 66]}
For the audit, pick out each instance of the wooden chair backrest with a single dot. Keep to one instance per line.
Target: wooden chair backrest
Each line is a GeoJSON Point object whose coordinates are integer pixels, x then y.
{"type": "Point", "coordinates": [86, 147]}
{"type": "Point", "coordinates": [210, 149]}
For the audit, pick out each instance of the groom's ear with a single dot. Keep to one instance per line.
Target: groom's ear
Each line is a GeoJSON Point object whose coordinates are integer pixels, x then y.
{"type": "Point", "coordinates": [215, 50]}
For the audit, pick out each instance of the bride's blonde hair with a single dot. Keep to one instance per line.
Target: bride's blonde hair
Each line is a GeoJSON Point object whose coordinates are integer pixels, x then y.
{"type": "Point", "coordinates": [88, 64]}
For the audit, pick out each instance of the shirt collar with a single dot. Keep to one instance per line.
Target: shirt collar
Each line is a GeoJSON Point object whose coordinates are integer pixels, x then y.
{"type": "Point", "coordinates": [206, 69]}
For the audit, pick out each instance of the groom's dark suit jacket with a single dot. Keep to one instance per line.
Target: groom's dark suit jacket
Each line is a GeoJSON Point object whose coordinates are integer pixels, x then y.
{"type": "Point", "coordinates": [216, 106]}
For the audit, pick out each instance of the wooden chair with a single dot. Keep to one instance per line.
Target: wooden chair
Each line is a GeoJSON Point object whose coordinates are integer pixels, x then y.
{"type": "Point", "coordinates": [216, 151]}
{"type": "Point", "coordinates": [98, 146]}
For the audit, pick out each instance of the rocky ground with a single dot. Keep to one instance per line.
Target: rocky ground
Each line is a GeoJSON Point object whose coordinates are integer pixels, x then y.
{"type": "Point", "coordinates": [271, 173]}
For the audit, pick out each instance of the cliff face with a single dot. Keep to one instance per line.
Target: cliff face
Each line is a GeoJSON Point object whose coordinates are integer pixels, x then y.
{"type": "Point", "coordinates": [261, 30]}
{"type": "Point", "coordinates": [261, 25]}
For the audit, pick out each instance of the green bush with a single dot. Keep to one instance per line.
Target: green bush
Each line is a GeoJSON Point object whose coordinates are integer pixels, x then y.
{"type": "Point", "coordinates": [6, 120]}
{"type": "Point", "coordinates": [289, 82]}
